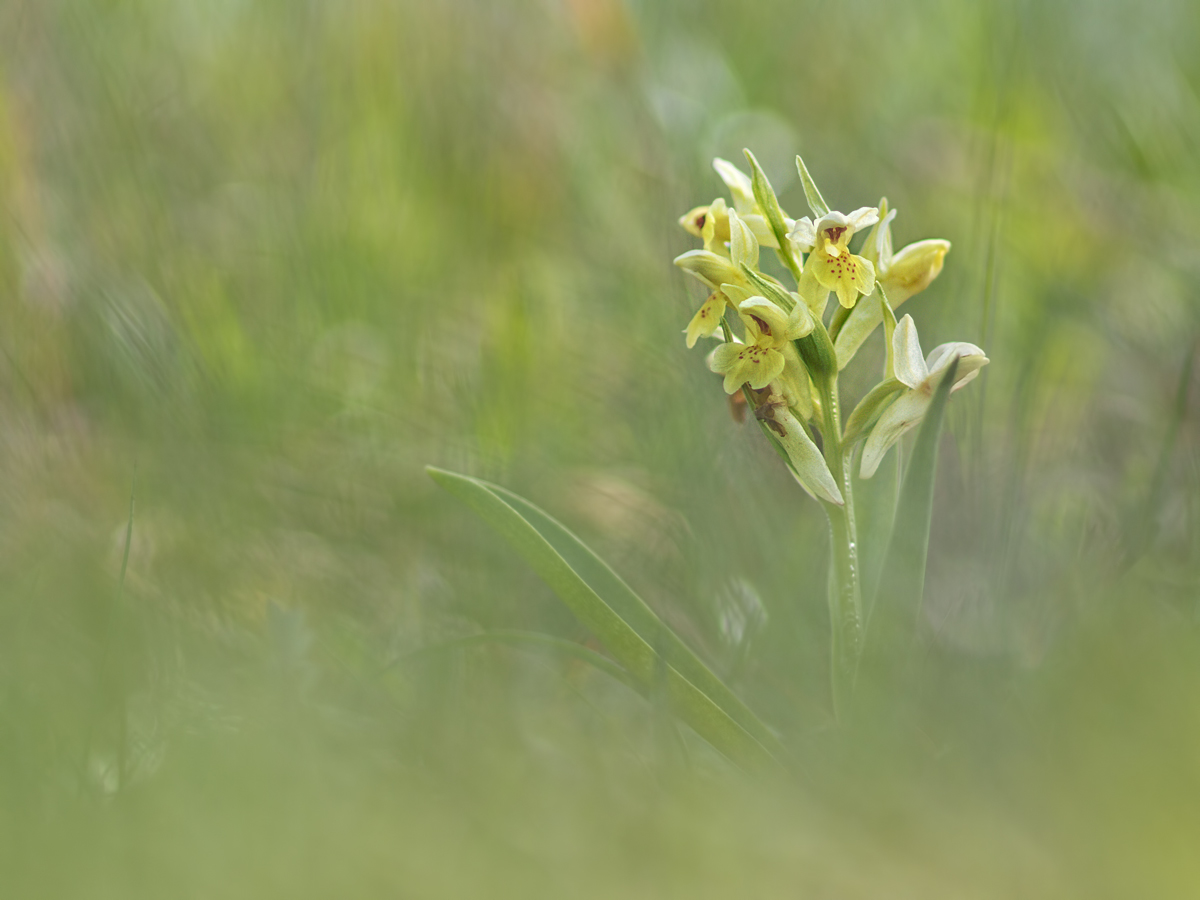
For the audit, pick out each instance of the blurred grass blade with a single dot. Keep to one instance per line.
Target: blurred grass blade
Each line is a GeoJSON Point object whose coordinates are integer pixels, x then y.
{"type": "Point", "coordinates": [526, 639]}
{"type": "Point", "coordinates": [1144, 529]}
{"type": "Point", "coordinates": [652, 654]}
{"type": "Point", "coordinates": [902, 581]}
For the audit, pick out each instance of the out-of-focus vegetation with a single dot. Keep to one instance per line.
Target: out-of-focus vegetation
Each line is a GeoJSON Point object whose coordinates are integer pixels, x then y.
{"type": "Point", "coordinates": [262, 261]}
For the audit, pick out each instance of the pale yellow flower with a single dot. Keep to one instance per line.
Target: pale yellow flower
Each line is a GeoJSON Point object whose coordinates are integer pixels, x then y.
{"type": "Point", "coordinates": [769, 333]}
{"type": "Point", "coordinates": [921, 376]}
{"type": "Point", "coordinates": [711, 223]}
{"type": "Point", "coordinates": [900, 274]}
{"type": "Point", "coordinates": [830, 265]}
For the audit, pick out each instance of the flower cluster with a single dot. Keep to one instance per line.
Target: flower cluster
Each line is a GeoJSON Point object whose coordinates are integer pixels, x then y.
{"type": "Point", "coordinates": [779, 348]}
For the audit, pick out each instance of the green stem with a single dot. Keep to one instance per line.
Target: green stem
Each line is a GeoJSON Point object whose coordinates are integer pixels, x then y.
{"type": "Point", "coordinates": [845, 595]}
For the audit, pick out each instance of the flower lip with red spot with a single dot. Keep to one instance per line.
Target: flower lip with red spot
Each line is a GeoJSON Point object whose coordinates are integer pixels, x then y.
{"type": "Point", "coordinates": [746, 364]}
{"type": "Point", "coordinates": [831, 266]}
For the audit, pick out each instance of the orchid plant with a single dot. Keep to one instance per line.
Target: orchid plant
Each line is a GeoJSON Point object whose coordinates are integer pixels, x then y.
{"type": "Point", "coordinates": [790, 349]}
{"type": "Point", "coordinates": [781, 348]}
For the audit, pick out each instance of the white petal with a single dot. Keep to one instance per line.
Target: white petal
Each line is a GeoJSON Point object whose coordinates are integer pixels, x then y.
{"type": "Point", "coordinates": [906, 349]}
{"type": "Point", "coordinates": [831, 219]}
{"type": "Point", "coordinates": [908, 410]}
{"type": "Point", "coordinates": [862, 217]}
{"type": "Point", "coordinates": [739, 184]}
{"type": "Point", "coordinates": [803, 234]}
{"type": "Point", "coordinates": [970, 360]}
{"type": "Point", "coordinates": [879, 244]}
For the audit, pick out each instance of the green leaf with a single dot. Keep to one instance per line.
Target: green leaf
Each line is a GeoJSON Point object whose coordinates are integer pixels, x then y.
{"type": "Point", "coordinates": [902, 582]}
{"type": "Point", "coordinates": [815, 201]}
{"type": "Point", "coordinates": [869, 409]}
{"type": "Point", "coordinates": [655, 657]}
{"type": "Point", "coordinates": [764, 196]}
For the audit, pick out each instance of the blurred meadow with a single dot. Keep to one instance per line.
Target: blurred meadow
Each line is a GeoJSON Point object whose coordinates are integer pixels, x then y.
{"type": "Point", "coordinates": [261, 262]}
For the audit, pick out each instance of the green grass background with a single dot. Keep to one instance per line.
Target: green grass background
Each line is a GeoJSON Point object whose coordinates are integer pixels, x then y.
{"type": "Point", "coordinates": [260, 262]}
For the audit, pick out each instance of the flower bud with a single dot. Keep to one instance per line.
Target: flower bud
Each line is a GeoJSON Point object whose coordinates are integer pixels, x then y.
{"type": "Point", "coordinates": [913, 268]}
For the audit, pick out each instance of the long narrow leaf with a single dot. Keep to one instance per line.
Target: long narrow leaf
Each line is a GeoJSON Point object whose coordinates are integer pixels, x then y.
{"type": "Point", "coordinates": [636, 613]}
{"type": "Point", "coordinates": [652, 654]}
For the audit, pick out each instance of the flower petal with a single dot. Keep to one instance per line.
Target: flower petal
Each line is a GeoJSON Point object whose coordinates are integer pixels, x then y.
{"type": "Point", "coordinates": [913, 268]}
{"type": "Point", "coordinates": [739, 184]}
{"type": "Point", "coordinates": [716, 227]}
{"type": "Point", "coordinates": [908, 410]}
{"type": "Point", "coordinates": [761, 229]}
{"type": "Point", "coordinates": [970, 360]}
{"type": "Point", "coordinates": [795, 384]}
{"type": "Point", "coordinates": [831, 219]}
{"type": "Point", "coordinates": [899, 286]}
{"type": "Point", "coordinates": [846, 274]}
{"type": "Point", "coordinates": [864, 275]}
{"type": "Point", "coordinates": [803, 234]}
{"type": "Point", "coordinates": [800, 322]}
{"type": "Point", "coordinates": [736, 293]}
{"type": "Point", "coordinates": [906, 349]}
{"type": "Point", "coordinates": [708, 267]}
{"type": "Point", "coordinates": [746, 364]}
{"type": "Point", "coordinates": [707, 319]}
{"type": "Point", "coordinates": [743, 245]}
{"type": "Point", "coordinates": [878, 248]}
{"type": "Point", "coordinates": [765, 322]}
{"type": "Point", "coordinates": [814, 294]}
{"type": "Point", "coordinates": [693, 221]}
{"type": "Point", "coordinates": [862, 217]}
